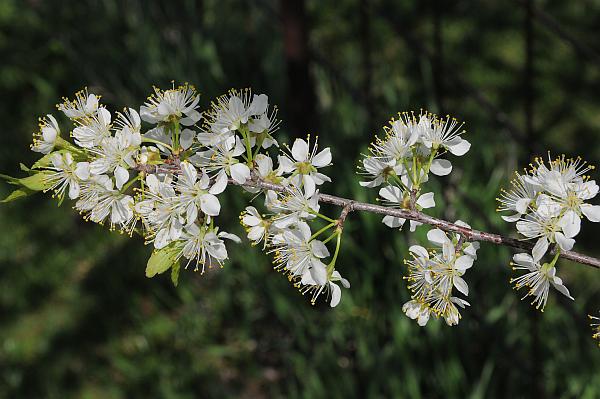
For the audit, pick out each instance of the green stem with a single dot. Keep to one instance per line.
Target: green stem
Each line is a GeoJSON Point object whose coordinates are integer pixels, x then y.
{"type": "Point", "coordinates": [338, 243]}
{"type": "Point", "coordinates": [149, 140]}
{"type": "Point", "coordinates": [175, 136]}
{"type": "Point", "coordinates": [556, 256]}
{"type": "Point", "coordinates": [246, 136]}
{"type": "Point", "coordinates": [318, 233]}
{"type": "Point", "coordinates": [129, 183]}
{"type": "Point", "coordinates": [335, 233]}
{"type": "Point", "coordinates": [323, 216]}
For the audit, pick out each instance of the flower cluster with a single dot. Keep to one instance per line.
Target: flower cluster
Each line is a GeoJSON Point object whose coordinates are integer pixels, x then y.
{"type": "Point", "coordinates": [547, 203]}
{"type": "Point", "coordinates": [433, 275]}
{"type": "Point", "coordinates": [412, 147]}
{"type": "Point", "coordinates": [160, 171]}
{"type": "Point", "coordinates": [286, 231]}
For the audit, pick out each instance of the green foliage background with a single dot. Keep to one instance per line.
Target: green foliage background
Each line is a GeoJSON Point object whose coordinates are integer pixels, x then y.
{"type": "Point", "coordinates": [79, 319]}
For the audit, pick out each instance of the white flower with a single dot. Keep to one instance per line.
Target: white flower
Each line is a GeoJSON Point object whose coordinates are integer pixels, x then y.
{"type": "Point", "coordinates": [537, 278]}
{"type": "Point", "coordinates": [304, 163]}
{"type": "Point", "coordinates": [176, 104]}
{"type": "Point", "coordinates": [293, 205]}
{"type": "Point", "coordinates": [204, 246]}
{"type": "Point", "coordinates": [262, 128]}
{"type": "Point", "coordinates": [68, 174]}
{"type": "Point", "coordinates": [116, 155]}
{"type": "Point", "coordinates": [433, 276]}
{"type": "Point", "coordinates": [444, 133]}
{"type": "Point", "coordinates": [100, 202]}
{"type": "Point", "coordinates": [229, 112]}
{"type": "Point", "coordinates": [221, 160]}
{"type": "Point", "coordinates": [256, 225]}
{"type": "Point", "coordinates": [298, 255]}
{"type": "Point", "coordinates": [399, 138]}
{"type": "Point", "coordinates": [333, 291]}
{"type": "Point", "coordinates": [417, 310]}
{"type": "Point", "coordinates": [195, 194]}
{"type": "Point", "coordinates": [45, 140]}
{"type": "Point", "coordinates": [161, 211]}
{"type": "Point", "coordinates": [83, 106]}
{"type": "Point", "coordinates": [546, 229]}
{"type": "Point", "coordinates": [379, 170]}
{"type": "Point", "coordinates": [398, 198]}
{"type": "Point", "coordinates": [519, 198]}
{"type": "Point", "coordinates": [93, 130]}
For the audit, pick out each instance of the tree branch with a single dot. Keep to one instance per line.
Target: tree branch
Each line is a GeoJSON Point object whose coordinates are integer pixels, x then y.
{"type": "Point", "coordinates": [352, 205]}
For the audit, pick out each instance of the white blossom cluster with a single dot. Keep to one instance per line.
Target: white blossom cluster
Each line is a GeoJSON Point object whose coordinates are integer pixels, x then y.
{"type": "Point", "coordinates": [434, 274]}
{"type": "Point", "coordinates": [286, 231]}
{"type": "Point", "coordinates": [160, 171]}
{"type": "Point", "coordinates": [412, 147]}
{"type": "Point", "coordinates": [547, 203]}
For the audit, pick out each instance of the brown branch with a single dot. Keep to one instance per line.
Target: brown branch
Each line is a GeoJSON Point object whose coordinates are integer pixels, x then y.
{"type": "Point", "coordinates": [352, 205]}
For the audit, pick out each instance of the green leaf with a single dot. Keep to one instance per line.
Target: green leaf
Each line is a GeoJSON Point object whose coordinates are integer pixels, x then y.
{"type": "Point", "coordinates": [161, 260]}
{"type": "Point", "coordinates": [18, 193]}
{"type": "Point", "coordinates": [175, 273]}
{"type": "Point", "coordinates": [10, 179]}
{"type": "Point", "coordinates": [37, 182]}
{"type": "Point", "coordinates": [44, 161]}
{"type": "Point", "coordinates": [24, 167]}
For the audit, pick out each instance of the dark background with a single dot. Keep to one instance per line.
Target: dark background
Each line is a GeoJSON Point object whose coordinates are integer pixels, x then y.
{"type": "Point", "coordinates": [78, 318]}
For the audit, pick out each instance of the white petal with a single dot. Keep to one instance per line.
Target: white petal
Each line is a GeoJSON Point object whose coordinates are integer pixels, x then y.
{"type": "Point", "coordinates": [459, 148]}
{"type": "Point", "coordinates": [562, 289]}
{"type": "Point", "coordinates": [391, 193]}
{"type": "Point", "coordinates": [393, 222]}
{"type": "Point", "coordinates": [437, 236]}
{"type": "Point", "coordinates": [240, 172]}
{"type": "Point", "coordinates": [426, 201]}
{"type": "Point", "coordinates": [592, 212]}
{"type": "Point", "coordinates": [309, 185]}
{"type": "Point", "coordinates": [318, 272]}
{"type": "Point", "coordinates": [319, 249]}
{"type": "Point", "coordinates": [463, 263]}
{"type": "Point", "coordinates": [461, 285]}
{"type": "Point", "coordinates": [73, 189]}
{"type": "Point", "coordinates": [220, 184]}
{"type": "Point", "coordinates": [187, 138]}
{"type": "Point", "coordinates": [210, 205]}
{"type": "Point", "coordinates": [420, 251]}
{"type": "Point", "coordinates": [83, 170]}
{"type": "Point", "coordinates": [540, 248]}
{"type": "Point", "coordinates": [230, 236]}
{"type": "Point", "coordinates": [441, 167]}
{"type": "Point", "coordinates": [570, 223]}
{"type": "Point", "coordinates": [322, 159]}
{"type": "Point", "coordinates": [300, 150]}
{"type": "Point", "coordinates": [121, 176]}
{"type": "Point", "coordinates": [336, 294]}
{"type": "Point", "coordinates": [564, 242]}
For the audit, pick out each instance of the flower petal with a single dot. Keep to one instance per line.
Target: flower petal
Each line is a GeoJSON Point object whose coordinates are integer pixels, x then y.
{"type": "Point", "coordinates": [441, 167]}
{"type": "Point", "coordinates": [300, 150]}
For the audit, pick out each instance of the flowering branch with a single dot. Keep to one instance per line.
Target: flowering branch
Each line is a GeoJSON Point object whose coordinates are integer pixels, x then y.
{"type": "Point", "coordinates": [163, 181]}
{"type": "Point", "coordinates": [350, 205]}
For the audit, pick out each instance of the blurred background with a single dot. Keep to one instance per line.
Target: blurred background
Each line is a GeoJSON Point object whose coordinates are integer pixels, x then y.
{"type": "Point", "coordinates": [79, 319]}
